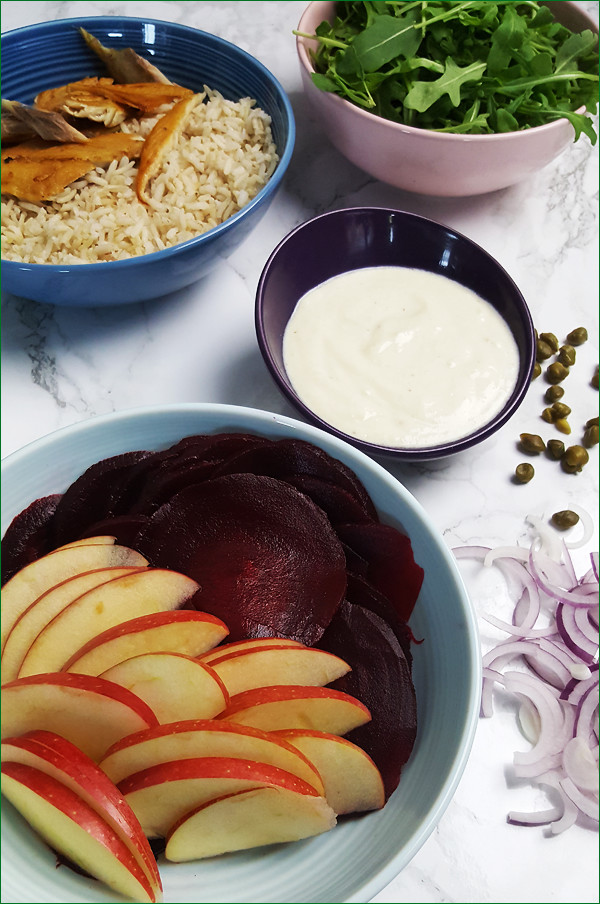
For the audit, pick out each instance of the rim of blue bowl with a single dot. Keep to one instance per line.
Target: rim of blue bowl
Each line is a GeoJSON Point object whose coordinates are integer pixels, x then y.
{"type": "Point", "coordinates": [401, 453]}
{"type": "Point", "coordinates": [9, 37]}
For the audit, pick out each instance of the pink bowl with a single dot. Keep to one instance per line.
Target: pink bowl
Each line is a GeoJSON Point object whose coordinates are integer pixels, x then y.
{"type": "Point", "coordinates": [426, 162]}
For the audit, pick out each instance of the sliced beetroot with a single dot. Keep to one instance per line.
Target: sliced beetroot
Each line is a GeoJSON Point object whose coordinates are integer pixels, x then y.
{"type": "Point", "coordinates": [217, 446]}
{"type": "Point", "coordinates": [169, 480]}
{"type": "Point", "coordinates": [266, 557]}
{"type": "Point", "coordinates": [27, 536]}
{"type": "Point", "coordinates": [392, 568]}
{"type": "Point", "coordinates": [124, 528]}
{"type": "Point", "coordinates": [381, 679]}
{"type": "Point", "coordinates": [337, 503]}
{"type": "Point", "coordinates": [90, 498]}
{"type": "Point", "coordinates": [287, 458]}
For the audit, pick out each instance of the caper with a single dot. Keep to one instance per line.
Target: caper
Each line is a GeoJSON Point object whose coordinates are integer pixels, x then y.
{"type": "Point", "coordinates": [556, 372]}
{"type": "Point", "coordinates": [551, 340]}
{"type": "Point", "coordinates": [537, 370]}
{"type": "Point", "coordinates": [590, 436]}
{"type": "Point", "coordinates": [577, 336]}
{"type": "Point", "coordinates": [594, 380]}
{"type": "Point", "coordinates": [532, 443]}
{"type": "Point", "coordinates": [593, 421]}
{"type": "Point", "coordinates": [560, 409]}
{"type": "Point", "coordinates": [553, 393]}
{"type": "Point", "coordinates": [574, 459]}
{"type": "Point", "coordinates": [555, 448]}
{"type": "Point", "coordinates": [548, 416]}
{"type": "Point", "coordinates": [543, 350]}
{"type": "Point", "coordinates": [565, 519]}
{"type": "Point", "coordinates": [562, 424]}
{"type": "Point", "coordinates": [567, 355]}
{"type": "Point", "coordinates": [524, 472]}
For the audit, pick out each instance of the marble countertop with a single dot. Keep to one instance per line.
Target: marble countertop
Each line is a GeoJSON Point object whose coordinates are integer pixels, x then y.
{"type": "Point", "coordinates": [61, 366]}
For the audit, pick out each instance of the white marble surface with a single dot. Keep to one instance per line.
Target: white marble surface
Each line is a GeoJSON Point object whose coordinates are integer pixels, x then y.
{"type": "Point", "coordinates": [61, 366]}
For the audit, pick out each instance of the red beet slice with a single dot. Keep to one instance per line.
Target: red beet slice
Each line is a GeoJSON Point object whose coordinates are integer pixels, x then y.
{"type": "Point", "coordinates": [392, 568]}
{"type": "Point", "coordinates": [266, 557]}
{"type": "Point", "coordinates": [361, 592]}
{"type": "Point", "coordinates": [381, 679]}
{"type": "Point", "coordinates": [27, 536]}
{"type": "Point", "coordinates": [90, 498]}
{"type": "Point", "coordinates": [337, 503]}
{"type": "Point", "coordinates": [124, 528]}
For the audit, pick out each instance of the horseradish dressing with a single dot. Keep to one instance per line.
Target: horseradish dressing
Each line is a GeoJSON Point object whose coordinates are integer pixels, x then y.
{"type": "Point", "coordinates": [400, 357]}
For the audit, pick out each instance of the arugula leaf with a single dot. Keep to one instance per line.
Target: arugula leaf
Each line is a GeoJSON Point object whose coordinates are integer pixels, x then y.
{"type": "Point", "coordinates": [474, 66]}
{"type": "Point", "coordinates": [423, 94]}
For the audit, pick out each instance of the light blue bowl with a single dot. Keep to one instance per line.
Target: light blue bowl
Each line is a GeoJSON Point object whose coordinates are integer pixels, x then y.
{"type": "Point", "coordinates": [361, 855]}
{"type": "Point", "coordinates": [53, 53]}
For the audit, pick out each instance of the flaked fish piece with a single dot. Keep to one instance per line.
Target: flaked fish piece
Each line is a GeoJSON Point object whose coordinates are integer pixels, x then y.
{"type": "Point", "coordinates": [100, 100]}
{"type": "Point", "coordinates": [37, 171]}
{"type": "Point", "coordinates": [124, 65]}
{"type": "Point", "coordinates": [20, 122]}
{"type": "Point", "coordinates": [159, 142]}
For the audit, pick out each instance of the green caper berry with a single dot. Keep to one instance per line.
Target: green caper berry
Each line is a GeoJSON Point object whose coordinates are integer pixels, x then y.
{"type": "Point", "coordinates": [565, 519]}
{"type": "Point", "coordinates": [593, 421]}
{"type": "Point", "coordinates": [551, 340]}
{"type": "Point", "coordinates": [594, 380]}
{"type": "Point", "coordinates": [532, 443]}
{"type": "Point", "coordinates": [591, 436]}
{"type": "Point", "coordinates": [562, 424]}
{"type": "Point", "coordinates": [556, 372]}
{"type": "Point", "coordinates": [536, 372]}
{"type": "Point", "coordinates": [577, 336]}
{"type": "Point", "coordinates": [574, 459]}
{"type": "Point", "coordinates": [553, 393]}
{"type": "Point", "coordinates": [555, 449]}
{"type": "Point", "coordinates": [560, 409]}
{"type": "Point", "coordinates": [542, 350]}
{"type": "Point", "coordinates": [548, 416]}
{"type": "Point", "coordinates": [524, 472]}
{"type": "Point", "coordinates": [567, 355]}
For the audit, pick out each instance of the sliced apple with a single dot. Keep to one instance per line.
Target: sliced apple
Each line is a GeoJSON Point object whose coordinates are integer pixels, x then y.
{"type": "Point", "coordinates": [291, 706]}
{"type": "Point", "coordinates": [352, 781]}
{"type": "Point", "coordinates": [238, 646]}
{"type": "Point", "coordinates": [205, 737]}
{"type": "Point", "coordinates": [44, 609]}
{"type": "Point", "coordinates": [247, 819]}
{"type": "Point", "coordinates": [90, 712]}
{"type": "Point", "coordinates": [174, 686]}
{"type": "Point", "coordinates": [160, 795]}
{"type": "Point", "coordinates": [70, 826]}
{"type": "Point", "coordinates": [144, 592]}
{"type": "Point", "coordinates": [241, 670]}
{"type": "Point", "coordinates": [180, 631]}
{"type": "Point", "coordinates": [61, 760]}
{"type": "Point", "coordinates": [30, 582]}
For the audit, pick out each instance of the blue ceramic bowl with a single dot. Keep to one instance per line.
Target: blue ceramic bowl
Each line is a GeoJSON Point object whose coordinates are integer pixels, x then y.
{"type": "Point", "coordinates": [360, 855]}
{"type": "Point", "coordinates": [53, 53]}
{"type": "Point", "coordinates": [356, 237]}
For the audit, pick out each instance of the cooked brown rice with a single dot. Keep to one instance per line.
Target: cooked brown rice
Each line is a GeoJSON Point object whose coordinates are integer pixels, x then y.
{"type": "Point", "coordinates": [226, 155]}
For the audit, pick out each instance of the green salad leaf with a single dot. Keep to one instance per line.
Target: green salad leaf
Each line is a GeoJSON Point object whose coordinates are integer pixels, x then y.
{"type": "Point", "coordinates": [468, 67]}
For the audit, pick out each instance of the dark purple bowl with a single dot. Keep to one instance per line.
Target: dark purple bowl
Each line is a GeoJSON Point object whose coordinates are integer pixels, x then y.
{"type": "Point", "coordinates": [350, 238]}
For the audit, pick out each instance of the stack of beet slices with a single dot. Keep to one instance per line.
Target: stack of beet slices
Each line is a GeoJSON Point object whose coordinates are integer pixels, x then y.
{"type": "Point", "coordinates": [283, 540]}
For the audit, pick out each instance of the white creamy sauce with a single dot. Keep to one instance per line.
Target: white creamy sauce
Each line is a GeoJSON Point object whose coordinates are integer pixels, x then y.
{"type": "Point", "coordinates": [400, 357]}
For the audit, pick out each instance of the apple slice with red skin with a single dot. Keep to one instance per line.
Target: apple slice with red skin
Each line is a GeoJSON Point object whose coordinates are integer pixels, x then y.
{"type": "Point", "coordinates": [205, 737]}
{"type": "Point", "coordinates": [239, 646]}
{"type": "Point", "coordinates": [66, 763]}
{"type": "Point", "coordinates": [294, 706]}
{"type": "Point", "coordinates": [140, 593]}
{"type": "Point", "coordinates": [35, 618]}
{"type": "Point", "coordinates": [34, 579]}
{"type": "Point", "coordinates": [351, 779]}
{"type": "Point", "coordinates": [103, 540]}
{"type": "Point", "coordinates": [74, 829]}
{"type": "Point", "coordinates": [247, 819]}
{"type": "Point", "coordinates": [173, 685]}
{"type": "Point", "coordinates": [90, 712]}
{"type": "Point", "coordinates": [258, 666]}
{"type": "Point", "coordinates": [179, 631]}
{"type": "Point", "coordinates": [160, 795]}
